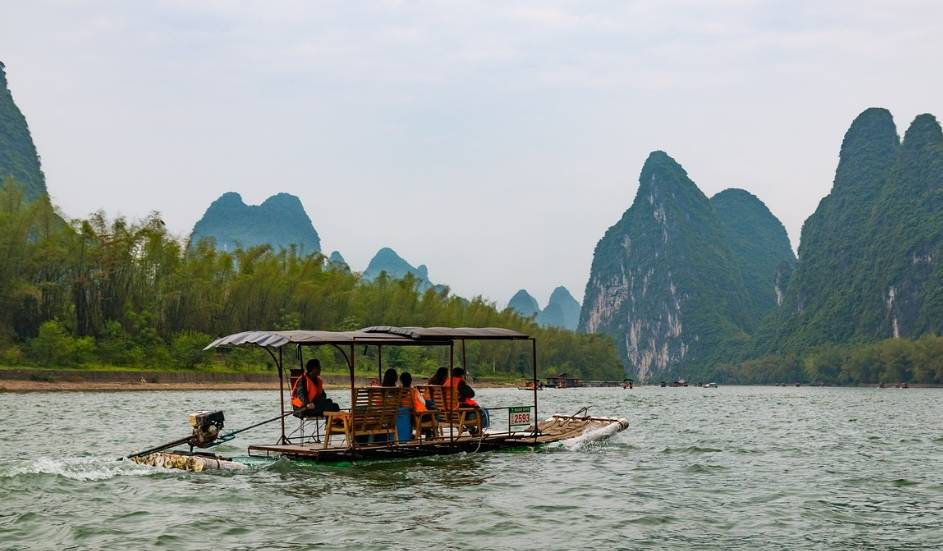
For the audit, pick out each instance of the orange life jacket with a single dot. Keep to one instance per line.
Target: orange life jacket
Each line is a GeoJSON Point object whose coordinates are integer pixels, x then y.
{"type": "Point", "coordinates": [313, 389]}
{"type": "Point", "coordinates": [413, 400]}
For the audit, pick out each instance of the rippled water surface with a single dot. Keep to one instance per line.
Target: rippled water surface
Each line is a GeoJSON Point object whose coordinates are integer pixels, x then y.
{"type": "Point", "coordinates": [734, 467]}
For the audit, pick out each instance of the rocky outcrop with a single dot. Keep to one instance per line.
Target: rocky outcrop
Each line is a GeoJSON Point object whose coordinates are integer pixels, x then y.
{"type": "Point", "coordinates": [280, 221]}
{"type": "Point", "coordinates": [18, 157]}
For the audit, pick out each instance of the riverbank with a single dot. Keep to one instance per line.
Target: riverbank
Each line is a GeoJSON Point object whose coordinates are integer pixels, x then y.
{"type": "Point", "coordinates": [80, 380]}
{"type": "Point", "coordinates": [87, 386]}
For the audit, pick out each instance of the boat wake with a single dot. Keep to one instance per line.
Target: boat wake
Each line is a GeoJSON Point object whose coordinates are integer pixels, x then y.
{"type": "Point", "coordinates": [78, 468]}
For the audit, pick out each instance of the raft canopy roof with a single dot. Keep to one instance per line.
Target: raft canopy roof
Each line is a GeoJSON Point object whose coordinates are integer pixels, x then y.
{"type": "Point", "coordinates": [448, 333]}
{"type": "Point", "coordinates": [377, 335]}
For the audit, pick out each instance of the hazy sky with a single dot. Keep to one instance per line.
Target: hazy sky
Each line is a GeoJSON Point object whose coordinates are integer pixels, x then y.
{"type": "Point", "coordinates": [494, 142]}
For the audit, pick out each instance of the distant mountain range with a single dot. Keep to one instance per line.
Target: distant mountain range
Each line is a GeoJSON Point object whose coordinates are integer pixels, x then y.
{"type": "Point", "coordinates": [683, 283]}
{"type": "Point", "coordinates": [18, 157]}
{"type": "Point", "coordinates": [280, 221]}
{"type": "Point", "coordinates": [562, 310]}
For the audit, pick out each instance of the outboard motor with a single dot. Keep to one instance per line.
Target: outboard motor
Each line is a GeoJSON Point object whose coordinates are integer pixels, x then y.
{"type": "Point", "coordinates": [206, 427]}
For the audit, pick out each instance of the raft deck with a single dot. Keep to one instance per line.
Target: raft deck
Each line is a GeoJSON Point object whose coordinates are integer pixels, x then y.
{"type": "Point", "coordinates": [554, 429]}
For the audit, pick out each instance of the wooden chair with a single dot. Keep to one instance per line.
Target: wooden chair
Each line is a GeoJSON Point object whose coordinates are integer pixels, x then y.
{"type": "Point", "coordinates": [448, 411]}
{"type": "Point", "coordinates": [372, 412]}
{"type": "Point", "coordinates": [424, 421]}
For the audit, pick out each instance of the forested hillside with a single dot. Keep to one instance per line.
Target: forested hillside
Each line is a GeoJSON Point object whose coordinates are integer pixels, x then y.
{"type": "Point", "coordinates": [760, 248]}
{"type": "Point", "coordinates": [865, 303]}
{"type": "Point", "coordinates": [715, 293]}
{"type": "Point", "coordinates": [123, 293]}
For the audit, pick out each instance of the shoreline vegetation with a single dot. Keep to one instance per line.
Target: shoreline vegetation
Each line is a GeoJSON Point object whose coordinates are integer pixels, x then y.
{"type": "Point", "coordinates": [97, 292]}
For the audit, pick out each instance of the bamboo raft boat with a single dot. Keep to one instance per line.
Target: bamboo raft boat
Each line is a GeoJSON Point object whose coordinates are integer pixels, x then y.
{"type": "Point", "coordinates": [376, 411]}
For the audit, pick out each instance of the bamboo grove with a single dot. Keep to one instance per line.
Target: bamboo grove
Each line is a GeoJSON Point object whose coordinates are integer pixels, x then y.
{"type": "Point", "coordinates": [120, 293]}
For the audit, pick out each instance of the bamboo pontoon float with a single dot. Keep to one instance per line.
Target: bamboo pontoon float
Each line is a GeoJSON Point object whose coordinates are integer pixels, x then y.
{"type": "Point", "coordinates": [449, 436]}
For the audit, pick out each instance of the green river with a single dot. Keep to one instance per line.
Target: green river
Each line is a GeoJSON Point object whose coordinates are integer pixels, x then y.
{"type": "Point", "coordinates": [730, 468]}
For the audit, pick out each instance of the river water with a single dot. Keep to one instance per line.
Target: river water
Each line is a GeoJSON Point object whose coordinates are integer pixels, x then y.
{"type": "Point", "coordinates": [733, 467]}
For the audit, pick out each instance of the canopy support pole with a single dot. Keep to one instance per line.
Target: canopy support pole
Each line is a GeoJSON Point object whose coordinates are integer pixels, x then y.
{"type": "Point", "coordinates": [351, 363]}
{"type": "Point", "coordinates": [464, 363]}
{"type": "Point", "coordinates": [533, 358]}
{"type": "Point", "coordinates": [281, 384]}
{"type": "Point", "coordinates": [281, 392]}
{"type": "Point", "coordinates": [448, 392]}
{"type": "Point", "coordinates": [379, 363]}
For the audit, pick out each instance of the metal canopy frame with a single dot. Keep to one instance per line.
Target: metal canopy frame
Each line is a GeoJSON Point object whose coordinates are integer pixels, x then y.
{"type": "Point", "coordinates": [378, 336]}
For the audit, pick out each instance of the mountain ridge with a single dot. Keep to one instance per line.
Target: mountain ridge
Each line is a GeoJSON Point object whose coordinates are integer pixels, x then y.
{"type": "Point", "coordinates": [280, 221]}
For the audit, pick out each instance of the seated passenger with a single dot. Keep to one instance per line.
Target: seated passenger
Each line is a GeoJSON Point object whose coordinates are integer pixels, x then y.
{"type": "Point", "coordinates": [389, 378]}
{"type": "Point", "coordinates": [441, 375]}
{"type": "Point", "coordinates": [412, 398]}
{"type": "Point", "coordinates": [414, 401]}
{"type": "Point", "coordinates": [438, 379]}
{"type": "Point", "coordinates": [466, 395]}
{"type": "Point", "coordinates": [308, 398]}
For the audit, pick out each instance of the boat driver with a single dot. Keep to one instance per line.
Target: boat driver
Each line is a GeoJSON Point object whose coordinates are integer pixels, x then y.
{"type": "Point", "coordinates": [308, 398]}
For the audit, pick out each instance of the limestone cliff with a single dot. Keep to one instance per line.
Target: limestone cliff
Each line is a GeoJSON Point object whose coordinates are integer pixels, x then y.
{"type": "Point", "coordinates": [665, 281]}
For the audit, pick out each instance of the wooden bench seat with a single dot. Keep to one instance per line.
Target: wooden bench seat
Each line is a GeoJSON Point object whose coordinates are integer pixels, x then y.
{"type": "Point", "coordinates": [448, 411]}
{"type": "Point", "coordinates": [373, 412]}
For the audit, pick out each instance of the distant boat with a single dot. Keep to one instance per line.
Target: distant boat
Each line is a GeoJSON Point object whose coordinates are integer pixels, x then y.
{"type": "Point", "coordinates": [562, 380]}
{"type": "Point", "coordinates": [528, 384]}
{"type": "Point", "coordinates": [710, 385]}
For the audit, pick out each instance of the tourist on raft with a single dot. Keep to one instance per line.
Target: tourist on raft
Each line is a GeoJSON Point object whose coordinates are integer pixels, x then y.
{"type": "Point", "coordinates": [441, 375]}
{"type": "Point", "coordinates": [413, 399]}
{"type": "Point", "coordinates": [466, 395]}
{"type": "Point", "coordinates": [438, 379]}
{"type": "Point", "coordinates": [389, 378]}
{"type": "Point", "coordinates": [308, 398]}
